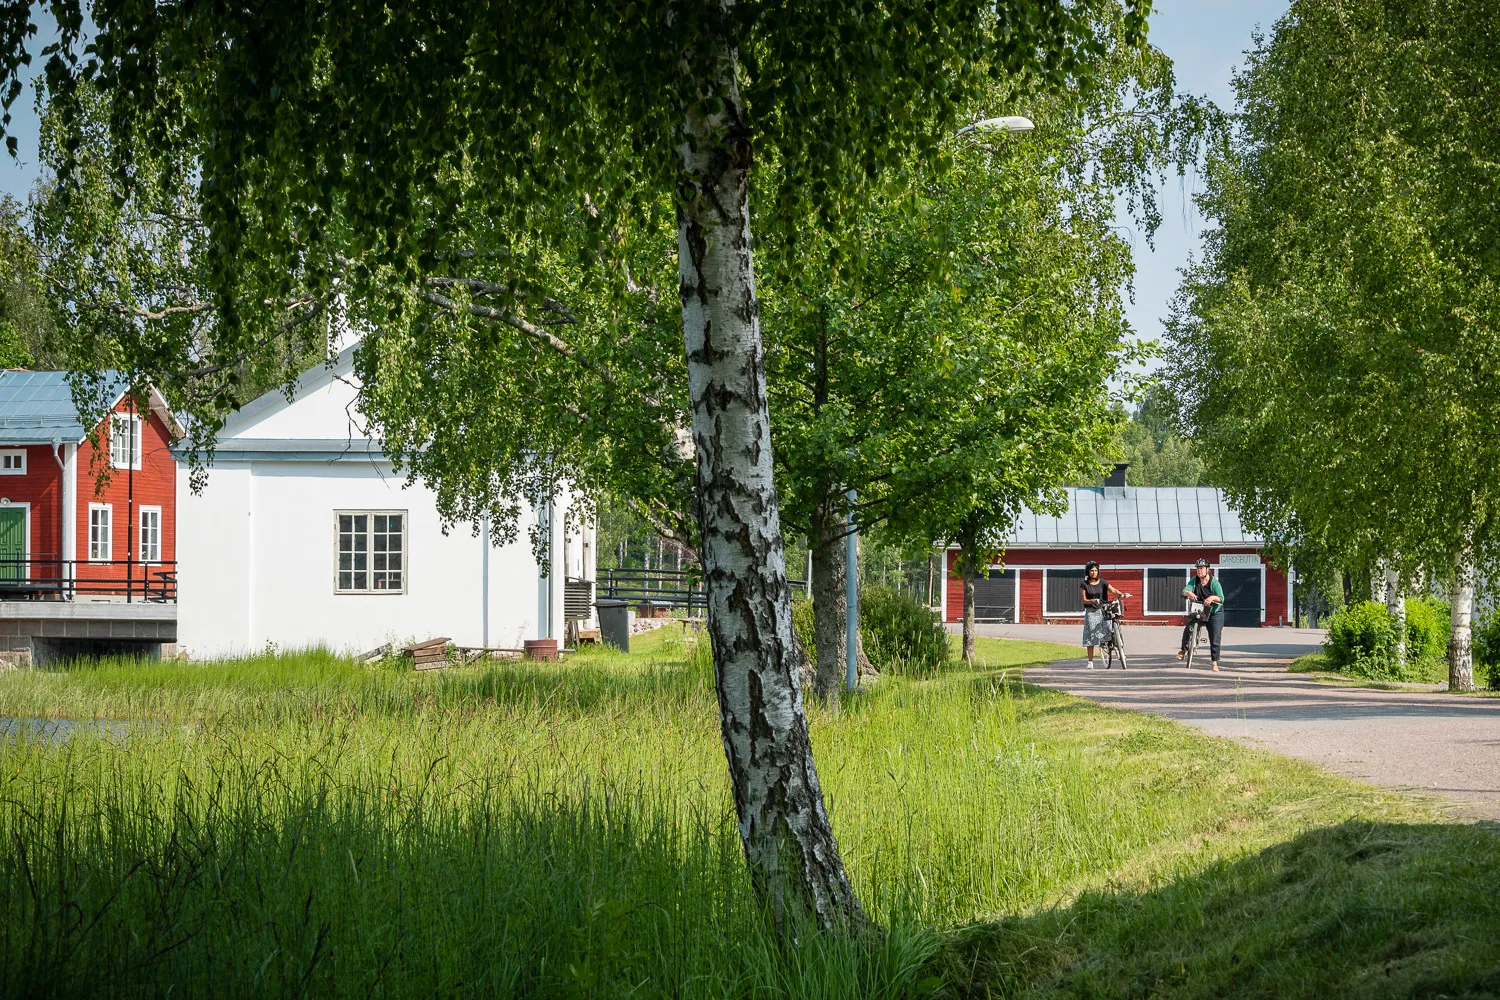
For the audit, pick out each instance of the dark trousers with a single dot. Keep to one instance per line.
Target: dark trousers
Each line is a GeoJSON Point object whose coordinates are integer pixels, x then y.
{"type": "Point", "coordinates": [1215, 626]}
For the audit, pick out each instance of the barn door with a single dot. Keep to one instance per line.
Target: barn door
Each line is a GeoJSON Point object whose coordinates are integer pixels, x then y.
{"type": "Point", "coordinates": [995, 597]}
{"type": "Point", "coordinates": [1241, 597]}
{"type": "Point", "coordinates": [12, 544]}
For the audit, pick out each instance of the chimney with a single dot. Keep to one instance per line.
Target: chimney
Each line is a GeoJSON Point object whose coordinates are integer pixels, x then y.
{"type": "Point", "coordinates": [1117, 477]}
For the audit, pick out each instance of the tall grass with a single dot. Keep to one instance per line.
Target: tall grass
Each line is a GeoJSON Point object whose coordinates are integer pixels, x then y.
{"type": "Point", "coordinates": [304, 825]}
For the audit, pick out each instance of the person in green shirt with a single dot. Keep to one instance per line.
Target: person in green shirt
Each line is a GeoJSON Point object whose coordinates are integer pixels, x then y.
{"type": "Point", "coordinates": [1204, 588]}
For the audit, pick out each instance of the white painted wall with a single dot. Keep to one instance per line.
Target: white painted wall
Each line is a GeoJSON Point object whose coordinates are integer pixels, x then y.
{"type": "Point", "coordinates": [256, 563]}
{"type": "Point", "coordinates": [214, 533]}
{"type": "Point", "coordinates": [256, 549]}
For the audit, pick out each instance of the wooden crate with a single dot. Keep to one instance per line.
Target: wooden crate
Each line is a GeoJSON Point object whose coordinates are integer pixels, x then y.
{"type": "Point", "coordinates": [429, 655]}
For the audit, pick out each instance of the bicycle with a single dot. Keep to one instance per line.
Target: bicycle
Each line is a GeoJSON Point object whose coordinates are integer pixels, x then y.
{"type": "Point", "coordinates": [1114, 613]}
{"type": "Point", "coordinates": [1198, 619]}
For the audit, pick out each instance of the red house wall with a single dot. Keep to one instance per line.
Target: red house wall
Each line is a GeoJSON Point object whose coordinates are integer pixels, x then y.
{"type": "Point", "coordinates": [41, 487]}
{"type": "Point", "coordinates": [154, 484]}
{"type": "Point", "coordinates": [1130, 578]}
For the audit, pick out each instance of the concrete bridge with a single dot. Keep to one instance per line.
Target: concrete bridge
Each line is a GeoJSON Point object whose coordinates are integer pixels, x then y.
{"type": "Point", "coordinates": [42, 632]}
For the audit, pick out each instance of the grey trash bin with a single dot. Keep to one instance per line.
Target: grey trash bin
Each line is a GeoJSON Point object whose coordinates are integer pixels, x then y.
{"type": "Point", "coordinates": [615, 619]}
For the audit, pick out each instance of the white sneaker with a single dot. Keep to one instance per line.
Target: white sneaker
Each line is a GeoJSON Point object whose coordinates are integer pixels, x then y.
{"type": "Point", "coordinates": [1091, 664]}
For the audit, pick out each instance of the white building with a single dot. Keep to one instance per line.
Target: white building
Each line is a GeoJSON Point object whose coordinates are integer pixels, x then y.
{"type": "Point", "coordinates": [304, 536]}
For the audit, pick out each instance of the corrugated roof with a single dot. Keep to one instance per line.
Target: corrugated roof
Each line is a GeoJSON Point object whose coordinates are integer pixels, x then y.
{"type": "Point", "coordinates": [1136, 515]}
{"type": "Point", "coordinates": [37, 407]}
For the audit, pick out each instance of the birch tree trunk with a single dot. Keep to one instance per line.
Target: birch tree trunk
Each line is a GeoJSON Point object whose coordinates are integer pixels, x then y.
{"type": "Point", "coordinates": [794, 861]}
{"type": "Point", "coordinates": [1395, 603]}
{"type": "Point", "coordinates": [970, 575]}
{"type": "Point", "coordinates": [830, 603]}
{"type": "Point", "coordinates": [1460, 642]}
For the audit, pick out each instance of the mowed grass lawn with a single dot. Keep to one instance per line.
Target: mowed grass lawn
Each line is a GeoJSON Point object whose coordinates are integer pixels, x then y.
{"type": "Point", "coordinates": [306, 826]}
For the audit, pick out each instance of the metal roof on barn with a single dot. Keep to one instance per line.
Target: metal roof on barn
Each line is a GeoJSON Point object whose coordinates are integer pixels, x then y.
{"type": "Point", "coordinates": [37, 407]}
{"type": "Point", "coordinates": [1146, 516]}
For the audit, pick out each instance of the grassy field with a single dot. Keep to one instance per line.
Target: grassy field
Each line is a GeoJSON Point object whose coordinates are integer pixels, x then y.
{"type": "Point", "coordinates": [305, 826]}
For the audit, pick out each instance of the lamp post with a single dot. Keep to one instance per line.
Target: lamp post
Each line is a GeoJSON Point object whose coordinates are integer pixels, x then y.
{"type": "Point", "coordinates": [851, 594]}
{"type": "Point", "coordinates": [1007, 123]}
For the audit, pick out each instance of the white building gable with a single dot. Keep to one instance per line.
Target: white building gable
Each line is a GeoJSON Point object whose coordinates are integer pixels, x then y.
{"type": "Point", "coordinates": [322, 408]}
{"type": "Point", "coordinates": [304, 536]}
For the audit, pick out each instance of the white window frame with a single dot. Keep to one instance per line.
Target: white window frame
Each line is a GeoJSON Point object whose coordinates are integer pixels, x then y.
{"type": "Point", "coordinates": [109, 539]}
{"type": "Point", "coordinates": [1146, 590]}
{"type": "Point", "coordinates": [140, 538]}
{"type": "Point", "coordinates": [1048, 612]}
{"type": "Point", "coordinates": [16, 455]}
{"type": "Point", "coordinates": [134, 445]}
{"type": "Point", "coordinates": [405, 570]}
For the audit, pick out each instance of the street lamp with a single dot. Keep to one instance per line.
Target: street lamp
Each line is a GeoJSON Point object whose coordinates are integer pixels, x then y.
{"type": "Point", "coordinates": [1008, 123]}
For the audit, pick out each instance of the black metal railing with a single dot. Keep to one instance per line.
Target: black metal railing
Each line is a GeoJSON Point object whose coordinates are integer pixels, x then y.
{"type": "Point", "coordinates": [665, 588]}
{"type": "Point", "coordinates": [44, 578]}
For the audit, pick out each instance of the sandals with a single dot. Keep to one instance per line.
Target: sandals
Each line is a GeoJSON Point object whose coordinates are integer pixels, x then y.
{"type": "Point", "coordinates": [1182, 654]}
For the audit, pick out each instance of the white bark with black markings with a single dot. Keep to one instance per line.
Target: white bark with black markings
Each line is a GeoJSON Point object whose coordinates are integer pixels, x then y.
{"type": "Point", "coordinates": [1395, 604]}
{"type": "Point", "coordinates": [1461, 640]}
{"type": "Point", "coordinates": [793, 858]}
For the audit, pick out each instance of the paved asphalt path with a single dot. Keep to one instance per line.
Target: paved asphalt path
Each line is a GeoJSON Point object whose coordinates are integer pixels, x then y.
{"type": "Point", "coordinates": [1422, 741]}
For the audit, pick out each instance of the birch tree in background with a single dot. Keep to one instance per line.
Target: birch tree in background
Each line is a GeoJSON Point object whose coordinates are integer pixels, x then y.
{"type": "Point", "coordinates": [1335, 346]}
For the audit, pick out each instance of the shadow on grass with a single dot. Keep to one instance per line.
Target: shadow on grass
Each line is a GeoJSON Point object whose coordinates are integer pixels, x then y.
{"type": "Point", "coordinates": [1359, 910]}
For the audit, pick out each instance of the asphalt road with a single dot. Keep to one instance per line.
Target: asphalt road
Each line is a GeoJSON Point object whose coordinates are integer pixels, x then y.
{"type": "Point", "coordinates": [1423, 741]}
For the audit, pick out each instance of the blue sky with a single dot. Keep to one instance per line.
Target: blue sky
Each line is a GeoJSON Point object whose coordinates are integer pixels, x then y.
{"type": "Point", "coordinates": [1206, 39]}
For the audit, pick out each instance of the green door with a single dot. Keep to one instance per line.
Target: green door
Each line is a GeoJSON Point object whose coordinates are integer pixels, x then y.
{"type": "Point", "coordinates": [12, 544]}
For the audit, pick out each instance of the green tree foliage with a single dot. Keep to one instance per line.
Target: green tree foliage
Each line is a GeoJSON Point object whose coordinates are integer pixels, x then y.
{"type": "Point", "coordinates": [1333, 348]}
{"type": "Point", "coordinates": [1157, 453]}
{"type": "Point", "coordinates": [26, 329]}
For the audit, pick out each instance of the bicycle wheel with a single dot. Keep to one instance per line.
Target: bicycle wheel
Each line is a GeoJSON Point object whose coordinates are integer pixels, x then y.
{"type": "Point", "coordinates": [1120, 646]}
{"type": "Point", "coordinates": [1193, 644]}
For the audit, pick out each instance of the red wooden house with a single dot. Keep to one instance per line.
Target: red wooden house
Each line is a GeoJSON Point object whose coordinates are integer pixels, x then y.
{"type": "Point", "coordinates": [1145, 539]}
{"type": "Point", "coordinates": [86, 512]}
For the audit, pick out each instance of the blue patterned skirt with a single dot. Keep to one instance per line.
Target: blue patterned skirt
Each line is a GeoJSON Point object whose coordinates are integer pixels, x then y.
{"type": "Point", "coordinates": [1095, 627]}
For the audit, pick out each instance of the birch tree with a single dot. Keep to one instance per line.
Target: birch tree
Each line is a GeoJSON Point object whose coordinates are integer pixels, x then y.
{"type": "Point", "coordinates": [339, 144]}
{"type": "Point", "coordinates": [1333, 345]}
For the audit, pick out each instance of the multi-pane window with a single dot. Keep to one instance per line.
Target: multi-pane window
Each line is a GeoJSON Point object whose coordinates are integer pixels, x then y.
{"type": "Point", "coordinates": [371, 552]}
{"type": "Point", "coordinates": [13, 463]}
{"type": "Point", "coordinates": [125, 441]}
{"type": "Point", "coordinates": [1062, 594]}
{"type": "Point", "coordinates": [101, 532]}
{"type": "Point", "coordinates": [150, 547]}
{"type": "Point", "coordinates": [1164, 591]}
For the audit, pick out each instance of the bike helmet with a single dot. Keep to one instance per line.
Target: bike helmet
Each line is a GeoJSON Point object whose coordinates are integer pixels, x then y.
{"type": "Point", "coordinates": [1201, 562]}
{"type": "Point", "coordinates": [1088, 566]}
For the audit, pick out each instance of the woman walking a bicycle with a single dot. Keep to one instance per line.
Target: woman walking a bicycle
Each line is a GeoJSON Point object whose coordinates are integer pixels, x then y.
{"type": "Point", "coordinates": [1204, 589]}
{"type": "Point", "coordinates": [1096, 593]}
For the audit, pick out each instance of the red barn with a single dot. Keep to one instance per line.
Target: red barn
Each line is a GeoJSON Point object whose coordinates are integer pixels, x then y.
{"type": "Point", "coordinates": [82, 518]}
{"type": "Point", "coordinates": [1145, 540]}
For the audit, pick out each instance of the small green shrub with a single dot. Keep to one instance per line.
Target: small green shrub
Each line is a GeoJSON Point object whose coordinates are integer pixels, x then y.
{"type": "Point", "coordinates": [1487, 649]}
{"type": "Point", "coordinates": [1362, 640]}
{"type": "Point", "coordinates": [1428, 622]}
{"type": "Point", "coordinates": [901, 635]}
